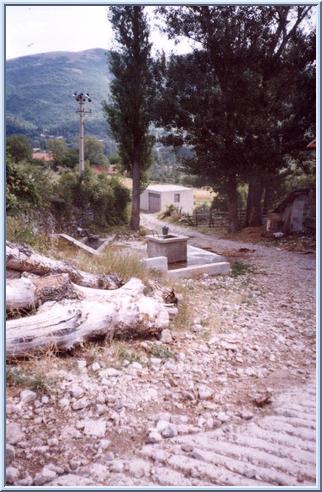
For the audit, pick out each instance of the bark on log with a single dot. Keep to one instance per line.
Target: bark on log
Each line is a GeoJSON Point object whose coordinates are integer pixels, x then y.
{"type": "Point", "coordinates": [24, 259]}
{"type": "Point", "coordinates": [28, 292]}
{"type": "Point", "coordinates": [63, 325]}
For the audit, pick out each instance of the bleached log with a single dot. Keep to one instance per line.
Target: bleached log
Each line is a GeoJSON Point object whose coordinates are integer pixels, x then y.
{"type": "Point", "coordinates": [63, 325]}
{"type": "Point", "coordinates": [24, 259]}
{"type": "Point", "coordinates": [28, 292]}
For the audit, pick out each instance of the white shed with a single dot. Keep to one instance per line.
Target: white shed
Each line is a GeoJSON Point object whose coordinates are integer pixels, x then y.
{"type": "Point", "coordinates": [157, 197]}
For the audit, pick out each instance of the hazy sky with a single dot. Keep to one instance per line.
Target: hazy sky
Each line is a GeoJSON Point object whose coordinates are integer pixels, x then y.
{"type": "Point", "coordinates": [38, 29]}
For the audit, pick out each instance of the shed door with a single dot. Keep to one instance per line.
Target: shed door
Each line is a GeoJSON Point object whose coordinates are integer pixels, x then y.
{"type": "Point", "coordinates": [297, 215]}
{"type": "Point", "coordinates": [154, 202]}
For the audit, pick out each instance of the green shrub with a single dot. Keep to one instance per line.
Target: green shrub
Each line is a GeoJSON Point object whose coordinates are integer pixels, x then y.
{"type": "Point", "coordinates": [161, 352]}
{"type": "Point", "coordinates": [39, 382]}
{"type": "Point", "coordinates": [27, 185]}
{"type": "Point", "coordinates": [239, 268]}
{"type": "Point", "coordinates": [19, 148]}
{"type": "Point", "coordinates": [96, 201]}
{"type": "Point", "coordinates": [98, 198]}
{"type": "Point", "coordinates": [124, 354]}
{"type": "Point", "coordinates": [168, 212]}
{"type": "Point", "coordinates": [202, 209]}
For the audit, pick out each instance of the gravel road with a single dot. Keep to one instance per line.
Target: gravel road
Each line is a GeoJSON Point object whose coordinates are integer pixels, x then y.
{"type": "Point", "coordinates": [227, 399]}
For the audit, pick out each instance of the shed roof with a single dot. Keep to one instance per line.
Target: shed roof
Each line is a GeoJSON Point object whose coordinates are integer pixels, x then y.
{"type": "Point", "coordinates": [166, 187]}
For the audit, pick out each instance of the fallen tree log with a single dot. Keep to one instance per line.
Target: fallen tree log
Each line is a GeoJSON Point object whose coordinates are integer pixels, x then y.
{"type": "Point", "coordinates": [96, 313]}
{"type": "Point", "coordinates": [23, 259]}
{"type": "Point", "coordinates": [29, 292]}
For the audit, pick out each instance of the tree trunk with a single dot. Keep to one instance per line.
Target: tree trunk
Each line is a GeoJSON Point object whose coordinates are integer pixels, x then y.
{"type": "Point", "coordinates": [268, 196]}
{"type": "Point", "coordinates": [232, 194]}
{"type": "Point", "coordinates": [23, 259]}
{"type": "Point", "coordinates": [136, 181]}
{"type": "Point", "coordinates": [28, 292]}
{"type": "Point", "coordinates": [94, 313]}
{"type": "Point", "coordinates": [254, 202]}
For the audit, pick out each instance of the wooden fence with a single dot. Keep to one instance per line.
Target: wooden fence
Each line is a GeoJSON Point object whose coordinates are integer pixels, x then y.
{"type": "Point", "coordinates": [219, 219]}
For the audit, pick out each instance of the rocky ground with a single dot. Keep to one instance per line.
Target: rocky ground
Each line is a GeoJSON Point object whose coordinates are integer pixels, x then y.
{"type": "Point", "coordinates": [225, 398]}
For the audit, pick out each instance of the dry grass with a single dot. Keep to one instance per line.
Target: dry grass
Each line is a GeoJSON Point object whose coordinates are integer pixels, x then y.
{"type": "Point", "coordinates": [185, 307]}
{"type": "Point", "coordinates": [18, 232]}
{"type": "Point", "coordinates": [125, 263]}
{"type": "Point", "coordinates": [203, 195]}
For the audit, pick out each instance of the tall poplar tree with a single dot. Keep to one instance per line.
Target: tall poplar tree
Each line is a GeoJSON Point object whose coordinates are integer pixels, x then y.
{"type": "Point", "coordinates": [132, 90]}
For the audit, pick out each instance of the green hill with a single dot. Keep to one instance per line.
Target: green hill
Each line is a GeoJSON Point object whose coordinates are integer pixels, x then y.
{"type": "Point", "coordinates": [39, 92]}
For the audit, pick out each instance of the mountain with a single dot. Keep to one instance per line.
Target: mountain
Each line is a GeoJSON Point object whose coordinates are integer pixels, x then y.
{"type": "Point", "coordinates": [39, 92]}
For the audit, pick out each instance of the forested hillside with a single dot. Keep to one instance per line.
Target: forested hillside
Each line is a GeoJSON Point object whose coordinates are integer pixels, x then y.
{"type": "Point", "coordinates": [39, 92]}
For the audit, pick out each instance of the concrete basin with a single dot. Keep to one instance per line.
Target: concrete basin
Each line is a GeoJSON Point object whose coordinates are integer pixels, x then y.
{"type": "Point", "coordinates": [172, 246]}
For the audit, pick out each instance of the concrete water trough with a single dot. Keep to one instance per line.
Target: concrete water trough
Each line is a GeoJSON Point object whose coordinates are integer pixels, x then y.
{"type": "Point", "coordinates": [170, 253]}
{"type": "Point", "coordinates": [172, 246]}
{"type": "Point", "coordinates": [92, 245]}
{"type": "Point", "coordinates": [199, 261]}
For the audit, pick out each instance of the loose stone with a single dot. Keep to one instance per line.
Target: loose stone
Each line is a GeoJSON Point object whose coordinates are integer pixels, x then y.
{"type": "Point", "coordinates": [26, 396]}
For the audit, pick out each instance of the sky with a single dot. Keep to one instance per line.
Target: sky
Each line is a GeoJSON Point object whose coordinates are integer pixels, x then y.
{"type": "Point", "coordinates": [39, 29]}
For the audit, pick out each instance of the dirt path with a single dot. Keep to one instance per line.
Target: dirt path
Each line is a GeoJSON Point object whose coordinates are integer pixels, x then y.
{"type": "Point", "coordinates": [276, 449]}
{"type": "Point", "coordinates": [249, 337]}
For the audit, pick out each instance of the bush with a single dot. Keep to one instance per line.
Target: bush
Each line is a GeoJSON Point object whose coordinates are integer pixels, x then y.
{"type": "Point", "coordinates": [27, 186]}
{"type": "Point", "coordinates": [19, 148]}
{"type": "Point", "coordinates": [97, 199]}
{"type": "Point", "coordinates": [202, 209]}
{"type": "Point", "coordinates": [168, 212]}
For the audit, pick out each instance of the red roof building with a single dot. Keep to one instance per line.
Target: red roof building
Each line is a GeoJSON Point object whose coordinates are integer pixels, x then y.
{"type": "Point", "coordinates": [40, 155]}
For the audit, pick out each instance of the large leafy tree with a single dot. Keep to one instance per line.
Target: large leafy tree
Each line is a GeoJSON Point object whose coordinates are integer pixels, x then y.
{"type": "Point", "coordinates": [19, 148]}
{"type": "Point", "coordinates": [234, 98]}
{"type": "Point", "coordinates": [58, 149]}
{"type": "Point", "coordinates": [94, 151]}
{"type": "Point", "coordinates": [129, 111]}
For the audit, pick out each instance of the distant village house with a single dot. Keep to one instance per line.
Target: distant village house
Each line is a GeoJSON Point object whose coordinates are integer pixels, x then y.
{"type": "Point", "coordinates": [42, 155]}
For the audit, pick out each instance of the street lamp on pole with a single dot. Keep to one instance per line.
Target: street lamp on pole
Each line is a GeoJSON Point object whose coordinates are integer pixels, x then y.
{"type": "Point", "coordinates": [81, 98]}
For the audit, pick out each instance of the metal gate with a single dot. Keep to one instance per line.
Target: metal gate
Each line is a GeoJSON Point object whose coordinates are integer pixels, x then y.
{"type": "Point", "coordinates": [154, 202]}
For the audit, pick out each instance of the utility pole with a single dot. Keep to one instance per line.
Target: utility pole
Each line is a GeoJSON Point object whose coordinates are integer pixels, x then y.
{"type": "Point", "coordinates": [81, 98]}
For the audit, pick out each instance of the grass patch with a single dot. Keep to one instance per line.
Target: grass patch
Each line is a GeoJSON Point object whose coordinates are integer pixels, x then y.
{"type": "Point", "coordinates": [240, 268]}
{"type": "Point", "coordinates": [39, 382]}
{"type": "Point", "coordinates": [124, 354]}
{"type": "Point", "coordinates": [125, 264]}
{"type": "Point", "coordinates": [161, 352]}
{"type": "Point", "coordinates": [19, 232]}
